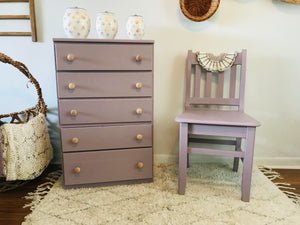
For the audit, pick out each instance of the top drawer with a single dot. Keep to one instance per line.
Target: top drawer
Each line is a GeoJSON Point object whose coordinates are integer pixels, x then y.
{"type": "Point", "coordinates": [103, 56]}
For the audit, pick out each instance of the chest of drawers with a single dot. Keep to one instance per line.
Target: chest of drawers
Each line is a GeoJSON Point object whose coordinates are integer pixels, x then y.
{"type": "Point", "coordinates": [105, 105]}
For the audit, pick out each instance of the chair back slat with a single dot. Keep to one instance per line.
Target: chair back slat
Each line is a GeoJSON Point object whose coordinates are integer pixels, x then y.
{"type": "Point", "coordinates": [197, 81]}
{"type": "Point", "coordinates": [232, 82]}
{"type": "Point", "coordinates": [214, 101]}
{"type": "Point", "coordinates": [215, 88]}
{"type": "Point", "coordinates": [220, 89]}
{"type": "Point", "coordinates": [208, 83]}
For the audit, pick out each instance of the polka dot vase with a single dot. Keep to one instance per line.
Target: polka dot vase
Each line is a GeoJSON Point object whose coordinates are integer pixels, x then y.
{"type": "Point", "coordinates": [76, 23]}
{"type": "Point", "coordinates": [135, 27]}
{"type": "Point", "coordinates": [106, 25]}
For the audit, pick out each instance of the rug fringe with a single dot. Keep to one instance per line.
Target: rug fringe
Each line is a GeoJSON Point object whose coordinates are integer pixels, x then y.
{"type": "Point", "coordinates": [42, 190]}
{"type": "Point", "coordinates": [10, 185]}
{"type": "Point", "coordinates": [292, 195]}
{"type": "Point", "coordinates": [284, 187]}
{"type": "Point", "coordinates": [269, 173]}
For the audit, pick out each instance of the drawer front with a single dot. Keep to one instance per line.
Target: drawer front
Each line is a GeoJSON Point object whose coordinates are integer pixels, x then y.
{"type": "Point", "coordinates": [106, 137]}
{"type": "Point", "coordinates": [104, 56]}
{"type": "Point", "coordinates": [125, 84]}
{"type": "Point", "coordinates": [104, 110]}
{"type": "Point", "coordinates": [107, 166]}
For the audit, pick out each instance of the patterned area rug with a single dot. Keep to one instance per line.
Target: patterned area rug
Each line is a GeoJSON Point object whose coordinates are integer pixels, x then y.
{"type": "Point", "coordinates": [212, 197]}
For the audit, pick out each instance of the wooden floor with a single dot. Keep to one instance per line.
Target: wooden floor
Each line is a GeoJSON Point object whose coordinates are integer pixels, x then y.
{"type": "Point", "coordinates": [291, 176]}
{"type": "Point", "coordinates": [12, 202]}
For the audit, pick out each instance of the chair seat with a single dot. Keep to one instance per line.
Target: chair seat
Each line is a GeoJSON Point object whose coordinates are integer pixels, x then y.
{"type": "Point", "coordinates": [217, 117]}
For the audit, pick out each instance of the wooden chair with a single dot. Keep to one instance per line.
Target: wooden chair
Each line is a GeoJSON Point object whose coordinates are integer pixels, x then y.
{"type": "Point", "coordinates": [203, 116]}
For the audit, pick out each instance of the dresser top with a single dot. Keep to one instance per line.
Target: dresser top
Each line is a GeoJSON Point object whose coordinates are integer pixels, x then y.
{"type": "Point", "coordinates": [86, 40]}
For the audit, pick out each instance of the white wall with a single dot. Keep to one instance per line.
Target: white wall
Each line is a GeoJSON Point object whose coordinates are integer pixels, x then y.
{"type": "Point", "coordinates": [268, 29]}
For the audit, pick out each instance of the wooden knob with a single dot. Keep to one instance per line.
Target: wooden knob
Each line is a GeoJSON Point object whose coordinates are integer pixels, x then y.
{"type": "Point", "coordinates": [73, 112]}
{"type": "Point", "coordinates": [72, 86]}
{"type": "Point", "coordinates": [77, 169]}
{"type": "Point", "coordinates": [75, 140]}
{"type": "Point", "coordinates": [139, 111]}
{"type": "Point", "coordinates": [138, 58]}
{"type": "Point", "coordinates": [70, 57]}
{"type": "Point", "coordinates": [138, 85]}
{"type": "Point", "coordinates": [139, 137]}
{"type": "Point", "coordinates": [140, 165]}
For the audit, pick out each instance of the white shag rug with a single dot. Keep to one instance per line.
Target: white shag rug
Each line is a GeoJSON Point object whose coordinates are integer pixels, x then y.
{"type": "Point", "coordinates": [212, 197]}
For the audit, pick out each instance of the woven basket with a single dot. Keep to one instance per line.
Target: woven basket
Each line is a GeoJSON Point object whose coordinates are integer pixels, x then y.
{"type": "Point", "coordinates": [20, 117]}
{"type": "Point", "coordinates": [189, 9]}
{"type": "Point", "coordinates": [40, 107]}
{"type": "Point", "coordinates": [291, 1]}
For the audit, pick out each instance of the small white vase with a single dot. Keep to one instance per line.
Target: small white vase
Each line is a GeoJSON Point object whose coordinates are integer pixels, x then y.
{"type": "Point", "coordinates": [135, 27]}
{"type": "Point", "coordinates": [106, 25]}
{"type": "Point", "coordinates": [76, 23]}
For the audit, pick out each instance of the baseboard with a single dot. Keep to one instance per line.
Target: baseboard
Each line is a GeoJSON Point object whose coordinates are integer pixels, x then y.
{"type": "Point", "coordinates": [278, 162]}
{"type": "Point", "coordinates": [194, 158]}
{"type": "Point", "coordinates": [272, 162]}
{"type": "Point", "coordinates": [165, 158]}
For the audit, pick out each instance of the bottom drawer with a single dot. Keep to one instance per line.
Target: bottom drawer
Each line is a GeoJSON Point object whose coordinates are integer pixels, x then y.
{"type": "Point", "coordinates": [107, 166]}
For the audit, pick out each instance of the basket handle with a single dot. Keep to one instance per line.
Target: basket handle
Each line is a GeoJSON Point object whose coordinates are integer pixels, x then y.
{"type": "Point", "coordinates": [41, 106]}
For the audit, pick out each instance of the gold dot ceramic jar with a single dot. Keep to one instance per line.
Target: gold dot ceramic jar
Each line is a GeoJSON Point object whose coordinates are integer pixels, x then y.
{"type": "Point", "coordinates": [106, 25]}
{"type": "Point", "coordinates": [76, 23]}
{"type": "Point", "coordinates": [135, 27]}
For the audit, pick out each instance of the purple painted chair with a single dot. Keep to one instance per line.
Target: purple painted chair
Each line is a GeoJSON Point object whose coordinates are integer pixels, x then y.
{"type": "Point", "coordinates": [219, 114]}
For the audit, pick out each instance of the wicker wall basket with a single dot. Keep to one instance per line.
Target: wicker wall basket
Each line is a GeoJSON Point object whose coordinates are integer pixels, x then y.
{"type": "Point", "coordinates": [291, 1]}
{"type": "Point", "coordinates": [199, 10]}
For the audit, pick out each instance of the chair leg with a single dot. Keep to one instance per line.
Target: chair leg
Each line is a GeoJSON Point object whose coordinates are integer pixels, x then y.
{"type": "Point", "coordinates": [236, 159]}
{"type": "Point", "coordinates": [183, 144]}
{"type": "Point", "coordinates": [247, 165]}
{"type": "Point", "coordinates": [188, 160]}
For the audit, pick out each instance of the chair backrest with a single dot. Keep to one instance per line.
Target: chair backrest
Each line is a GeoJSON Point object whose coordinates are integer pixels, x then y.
{"type": "Point", "coordinates": [205, 88]}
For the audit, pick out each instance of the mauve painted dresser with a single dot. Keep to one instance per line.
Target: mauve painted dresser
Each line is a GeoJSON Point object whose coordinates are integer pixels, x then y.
{"type": "Point", "coordinates": [105, 104]}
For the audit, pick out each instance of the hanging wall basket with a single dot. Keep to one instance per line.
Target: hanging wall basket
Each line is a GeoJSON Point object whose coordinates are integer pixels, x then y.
{"type": "Point", "coordinates": [199, 10]}
{"type": "Point", "coordinates": [291, 1]}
